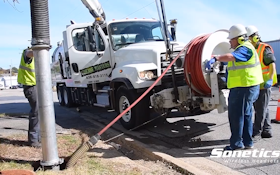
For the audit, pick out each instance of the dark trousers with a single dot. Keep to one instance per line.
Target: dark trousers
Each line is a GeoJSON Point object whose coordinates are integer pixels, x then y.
{"type": "Point", "coordinates": [240, 106]}
{"type": "Point", "coordinates": [262, 119]}
{"type": "Point", "coordinates": [30, 93]}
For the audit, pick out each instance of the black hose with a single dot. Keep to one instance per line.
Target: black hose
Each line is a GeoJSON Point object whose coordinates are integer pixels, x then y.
{"type": "Point", "coordinates": [40, 22]}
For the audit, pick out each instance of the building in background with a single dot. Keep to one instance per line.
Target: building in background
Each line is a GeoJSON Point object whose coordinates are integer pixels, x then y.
{"type": "Point", "coordinates": [8, 81]}
{"type": "Point", "coordinates": [275, 44]}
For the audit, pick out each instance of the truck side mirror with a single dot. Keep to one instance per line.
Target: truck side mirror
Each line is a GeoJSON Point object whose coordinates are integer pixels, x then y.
{"type": "Point", "coordinates": [173, 33]}
{"type": "Point", "coordinates": [173, 24]}
{"type": "Point", "coordinates": [92, 44]}
{"type": "Point", "coordinates": [92, 47]}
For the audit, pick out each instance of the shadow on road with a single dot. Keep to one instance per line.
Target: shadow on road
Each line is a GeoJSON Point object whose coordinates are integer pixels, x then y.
{"type": "Point", "coordinates": [13, 142]}
{"type": "Point", "coordinates": [174, 132]}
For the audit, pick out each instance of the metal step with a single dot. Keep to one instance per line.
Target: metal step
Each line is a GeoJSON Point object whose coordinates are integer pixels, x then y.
{"type": "Point", "coordinates": [100, 105]}
{"type": "Point", "coordinates": [103, 90]}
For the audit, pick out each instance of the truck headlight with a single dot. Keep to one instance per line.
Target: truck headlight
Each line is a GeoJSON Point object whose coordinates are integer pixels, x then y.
{"type": "Point", "coordinates": [146, 75]}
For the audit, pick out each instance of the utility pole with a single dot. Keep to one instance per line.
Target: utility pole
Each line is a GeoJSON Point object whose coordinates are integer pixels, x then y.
{"type": "Point", "coordinates": [11, 76]}
{"type": "Point", "coordinates": [40, 45]}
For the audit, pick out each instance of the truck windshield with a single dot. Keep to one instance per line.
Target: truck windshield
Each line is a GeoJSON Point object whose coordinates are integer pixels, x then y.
{"type": "Point", "coordinates": [125, 33]}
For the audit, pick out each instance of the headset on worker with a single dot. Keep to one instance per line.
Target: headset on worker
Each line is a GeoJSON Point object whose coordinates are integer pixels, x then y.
{"type": "Point", "coordinates": [241, 39]}
{"type": "Point", "coordinates": [252, 31]}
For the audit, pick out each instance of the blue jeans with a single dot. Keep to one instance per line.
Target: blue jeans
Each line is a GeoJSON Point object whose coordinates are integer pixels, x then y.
{"type": "Point", "coordinates": [240, 106]}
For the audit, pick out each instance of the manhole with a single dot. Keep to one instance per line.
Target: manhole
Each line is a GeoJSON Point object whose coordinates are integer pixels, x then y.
{"type": "Point", "coordinates": [17, 172]}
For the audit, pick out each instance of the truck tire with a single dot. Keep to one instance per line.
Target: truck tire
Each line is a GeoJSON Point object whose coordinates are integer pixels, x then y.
{"type": "Point", "coordinates": [59, 90]}
{"type": "Point", "coordinates": [67, 97]}
{"type": "Point", "coordinates": [135, 116]}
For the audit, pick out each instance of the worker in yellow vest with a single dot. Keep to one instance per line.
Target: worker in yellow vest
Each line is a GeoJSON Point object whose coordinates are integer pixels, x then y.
{"type": "Point", "coordinates": [26, 77]}
{"type": "Point", "coordinates": [262, 125]}
{"type": "Point", "coordinates": [244, 79]}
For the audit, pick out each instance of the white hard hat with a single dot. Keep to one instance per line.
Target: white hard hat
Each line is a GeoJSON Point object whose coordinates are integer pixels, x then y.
{"type": "Point", "coordinates": [251, 30]}
{"type": "Point", "coordinates": [237, 30]}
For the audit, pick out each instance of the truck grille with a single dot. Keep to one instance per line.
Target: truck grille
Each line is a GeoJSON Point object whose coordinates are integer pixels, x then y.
{"type": "Point", "coordinates": [179, 72]}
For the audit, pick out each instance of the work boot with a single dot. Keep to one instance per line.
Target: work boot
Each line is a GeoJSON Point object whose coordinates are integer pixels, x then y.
{"type": "Point", "coordinates": [36, 145]}
{"type": "Point", "coordinates": [249, 147]}
{"type": "Point", "coordinates": [266, 134]}
{"type": "Point", "coordinates": [256, 137]}
{"type": "Point", "coordinates": [229, 148]}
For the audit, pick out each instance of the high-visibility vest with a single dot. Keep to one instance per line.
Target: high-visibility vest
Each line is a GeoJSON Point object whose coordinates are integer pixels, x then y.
{"type": "Point", "coordinates": [245, 74]}
{"type": "Point", "coordinates": [265, 69]}
{"type": "Point", "coordinates": [26, 72]}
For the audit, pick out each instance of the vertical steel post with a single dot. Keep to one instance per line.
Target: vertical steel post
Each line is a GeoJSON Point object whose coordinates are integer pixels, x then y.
{"type": "Point", "coordinates": [169, 51]}
{"type": "Point", "coordinates": [40, 46]}
{"type": "Point", "coordinates": [11, 76]}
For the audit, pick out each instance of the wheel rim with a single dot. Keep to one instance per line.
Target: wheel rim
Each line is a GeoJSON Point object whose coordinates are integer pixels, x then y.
{"type": "Point", "coordinates": [123, 105]}
{"type": "Point", "coordinates": [65, 96]}
{"type": "Point", "coordinates": [59, 96]}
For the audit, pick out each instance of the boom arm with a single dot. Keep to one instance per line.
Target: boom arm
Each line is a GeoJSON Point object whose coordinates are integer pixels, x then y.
{"type": "Point", "coordinates": [95, 10]}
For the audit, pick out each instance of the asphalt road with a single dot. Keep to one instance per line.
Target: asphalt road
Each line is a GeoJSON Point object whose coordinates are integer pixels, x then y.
{"type": "Point", "coordinates": [188, 138]}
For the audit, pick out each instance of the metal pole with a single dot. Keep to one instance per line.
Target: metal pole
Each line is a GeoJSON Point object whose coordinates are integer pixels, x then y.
{"type": "Point", "coordinates": [40, 46]}
{"type": "Point", "coordinates": [169, 51]}
{"type": "Point", "coordinates": [11, 76]}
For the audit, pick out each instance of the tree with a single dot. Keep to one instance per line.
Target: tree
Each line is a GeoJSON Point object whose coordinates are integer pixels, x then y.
{"type": "Point", "coordinates": [14, 1]}
{"type": "Point", "coordinates": [1, 71]}
{"type": "Point", "coordinates": [14, 70]}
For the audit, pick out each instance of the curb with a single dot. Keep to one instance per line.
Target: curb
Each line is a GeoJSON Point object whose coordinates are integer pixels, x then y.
{"type": "Point", "coordinates": [143, 150]}
{"type": "Point", "coordinates": [13, 114]}
{"type": "Point", "coordinates": [146, 152]}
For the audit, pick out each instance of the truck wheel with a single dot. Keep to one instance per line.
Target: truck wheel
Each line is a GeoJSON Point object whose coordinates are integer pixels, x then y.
{"type": "Point", "coordinates": [59, 90]}
{"type": "Point", "coordinates": [67, 97]}
{"type": "Point", "coordinates": [135, 116]}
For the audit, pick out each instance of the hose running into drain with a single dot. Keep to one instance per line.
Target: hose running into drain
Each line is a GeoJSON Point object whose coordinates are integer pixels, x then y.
{"type": "Point", "coordinates": [94, 139]}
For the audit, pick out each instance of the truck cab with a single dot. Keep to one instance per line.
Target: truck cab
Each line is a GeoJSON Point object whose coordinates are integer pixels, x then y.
{"type": "Point", "coordinates": [110, 64]}
{"type": "Point", "coordinates": [123, 55]}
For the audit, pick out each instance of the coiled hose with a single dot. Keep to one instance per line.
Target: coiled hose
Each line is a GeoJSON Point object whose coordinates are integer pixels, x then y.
{"type": "Point", "coordinates": [192, 66]}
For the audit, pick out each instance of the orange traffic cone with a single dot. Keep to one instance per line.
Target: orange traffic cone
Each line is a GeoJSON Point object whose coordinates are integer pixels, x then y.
{"type": "Point", "coordinates": [277, 119]}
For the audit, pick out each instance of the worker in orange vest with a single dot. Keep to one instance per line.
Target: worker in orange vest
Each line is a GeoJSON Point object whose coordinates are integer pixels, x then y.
{"type": "Point", "coordinates": [262, 125]}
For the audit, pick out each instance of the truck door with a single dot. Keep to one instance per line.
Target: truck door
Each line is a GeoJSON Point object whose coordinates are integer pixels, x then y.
{"type": "Point", "coordinates": [89, 63]}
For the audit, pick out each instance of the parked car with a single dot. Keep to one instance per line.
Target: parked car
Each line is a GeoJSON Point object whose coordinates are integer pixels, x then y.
{"type": "Point", "coordinates": [2, 87]}
{"type": "Point", "coordinates": [14, 87]}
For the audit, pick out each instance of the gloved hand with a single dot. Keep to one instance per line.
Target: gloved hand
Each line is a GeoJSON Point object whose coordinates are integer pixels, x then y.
{"type": "Point", "coordinates": [268, 83]}
{"type": "Point", "coordinates": [209, 64]}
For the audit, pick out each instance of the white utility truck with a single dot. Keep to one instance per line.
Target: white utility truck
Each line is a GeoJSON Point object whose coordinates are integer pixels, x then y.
{"type": "Point", "coordinates": [110, 64]}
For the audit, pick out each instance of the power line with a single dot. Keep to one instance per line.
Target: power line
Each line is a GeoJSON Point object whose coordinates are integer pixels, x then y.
{"type": "Point", "coordinates": [140, 9]}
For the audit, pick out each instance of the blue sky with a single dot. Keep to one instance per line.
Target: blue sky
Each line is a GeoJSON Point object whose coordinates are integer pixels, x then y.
{"type": "Point", "coordinates": [194, 17]}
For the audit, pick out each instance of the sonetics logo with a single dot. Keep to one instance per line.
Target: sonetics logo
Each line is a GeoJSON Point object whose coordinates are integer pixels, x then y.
{"type": "Point", "coordinates": [217, 152]}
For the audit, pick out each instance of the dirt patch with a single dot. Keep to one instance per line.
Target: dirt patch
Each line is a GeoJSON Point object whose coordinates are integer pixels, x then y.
{"type": "Point", "coordinates": [103, 159]}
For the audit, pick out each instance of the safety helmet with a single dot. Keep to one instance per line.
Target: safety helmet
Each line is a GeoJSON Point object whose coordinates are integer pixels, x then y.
{"type": "Point", "coordinates": [237, 30]}
{"type": "Point", "coordinates": [251, 30]}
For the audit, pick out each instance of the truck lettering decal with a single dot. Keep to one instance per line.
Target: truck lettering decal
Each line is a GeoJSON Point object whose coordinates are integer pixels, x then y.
{"type": "Point", "coordinates": [95, 68]}
{"type": "Point", "coordinates": [96, 76]}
